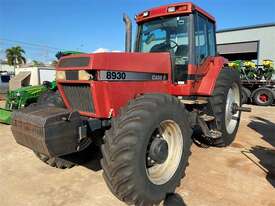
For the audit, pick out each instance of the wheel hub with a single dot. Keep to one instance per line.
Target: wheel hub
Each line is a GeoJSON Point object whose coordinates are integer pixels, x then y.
{"type": "Point", "coordinates": [263, 97]}
{"type": "Point", "coordinates": [164, 152]}
{"type": "Point", "coordinates": [158, 150]}
{"type": "Point", "coordinates": [234, 108]}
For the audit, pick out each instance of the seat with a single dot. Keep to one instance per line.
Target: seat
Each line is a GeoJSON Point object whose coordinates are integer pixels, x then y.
{"type": "Point", "coordinates": [182, 51]}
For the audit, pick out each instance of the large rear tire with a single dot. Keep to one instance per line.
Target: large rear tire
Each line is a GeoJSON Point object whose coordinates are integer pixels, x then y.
{"type": "Point", "coordinates": [227, 92]}
{"type": "Point", "coordinates": [145, 153]}
{"type": "Point", "coordinates": [245, 95]}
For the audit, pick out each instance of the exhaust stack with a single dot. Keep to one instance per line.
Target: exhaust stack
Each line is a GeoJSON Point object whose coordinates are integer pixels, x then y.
{"type": "Point", "coordinates": [128, 33]}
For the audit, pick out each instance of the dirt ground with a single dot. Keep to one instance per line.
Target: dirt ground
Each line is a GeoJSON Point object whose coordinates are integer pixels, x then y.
{"type": "Point", "coordinates": [243, 174]}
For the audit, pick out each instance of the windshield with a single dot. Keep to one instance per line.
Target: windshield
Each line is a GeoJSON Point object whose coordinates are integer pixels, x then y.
{"type": "Point", "coordinates": [166, 35]}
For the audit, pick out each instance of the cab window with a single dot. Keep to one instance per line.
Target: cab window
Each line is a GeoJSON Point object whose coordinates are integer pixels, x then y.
{"type": "Point", "coordinates": [201, 45]}
{"type": "Point", "coordinates": [166, 35]}
{"type": "Point", "coordinates": [211, 39]}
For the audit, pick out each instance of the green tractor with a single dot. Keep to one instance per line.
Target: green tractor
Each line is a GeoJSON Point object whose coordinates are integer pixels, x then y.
{"type": "Point", "coordinates": [66, 53]}
{"type": "Point", "coordinates": [23, 97]}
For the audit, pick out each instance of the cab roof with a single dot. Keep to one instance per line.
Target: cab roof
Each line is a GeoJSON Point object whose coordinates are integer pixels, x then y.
{"type": "Point", "coordinates": [171, 10]}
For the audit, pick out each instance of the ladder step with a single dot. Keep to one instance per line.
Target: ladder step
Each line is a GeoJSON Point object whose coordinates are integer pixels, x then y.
{"type": "Point", "coordinates": [198, 101]}
{"type": "Point", "coordinates": [215, 134]}
{"type": "Point", "coordinates": [207, 118]}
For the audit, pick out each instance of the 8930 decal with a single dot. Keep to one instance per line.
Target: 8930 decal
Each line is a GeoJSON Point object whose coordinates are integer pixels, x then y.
{"type": "Point", "coordinates": [115, 75]}
{"type": "Point", "coordinates": [130, 76]}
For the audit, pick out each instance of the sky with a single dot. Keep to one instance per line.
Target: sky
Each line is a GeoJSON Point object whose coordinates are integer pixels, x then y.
{"type": "Point", "coordinates": [42, 27]}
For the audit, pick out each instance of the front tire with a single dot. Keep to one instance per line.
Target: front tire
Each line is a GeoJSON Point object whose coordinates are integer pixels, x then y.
{"type": "Point", "coordinates": [51, 98]}
{"type": "Point", "coordinates": [227, 92]}
{"type": "Point", "coordinates": [127, 163]}
{"type": "Point", "coordinates": [55, 161]}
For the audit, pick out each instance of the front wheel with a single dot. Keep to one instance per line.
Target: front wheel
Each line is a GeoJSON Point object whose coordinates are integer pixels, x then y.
{"type": "Point", "coordinates": [51, 98]}
{"type": "Point", "coordinates": [146, 151]}
{"type": "Point", "coordinates": [57, 162]}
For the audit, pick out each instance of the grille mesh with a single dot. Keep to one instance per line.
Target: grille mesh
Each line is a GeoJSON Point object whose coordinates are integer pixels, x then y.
{"type": "Point", "coordinates": [79, 97]}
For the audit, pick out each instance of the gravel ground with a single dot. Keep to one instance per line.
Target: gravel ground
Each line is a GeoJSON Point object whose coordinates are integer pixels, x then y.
{"type": "Point", "coordinates": [242, 174]}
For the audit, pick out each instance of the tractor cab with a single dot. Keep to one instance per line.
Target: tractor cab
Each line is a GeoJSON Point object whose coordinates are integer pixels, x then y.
{"type": "Point", "coordinates": [184, 30]}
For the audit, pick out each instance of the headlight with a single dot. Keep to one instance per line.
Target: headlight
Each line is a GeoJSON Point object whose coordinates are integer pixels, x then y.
{"type": "Point", "coordinates": [171, 9]}
{"type": "Point", "coordinates": [60, 75]}
{"type": "Point", "coordinates": [146, 13]}
{"type": "Point", "coordinates": [84, 75]}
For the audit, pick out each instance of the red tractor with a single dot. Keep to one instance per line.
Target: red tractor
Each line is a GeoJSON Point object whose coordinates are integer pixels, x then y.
{"type": "Point", "coordinates": [149, 104]}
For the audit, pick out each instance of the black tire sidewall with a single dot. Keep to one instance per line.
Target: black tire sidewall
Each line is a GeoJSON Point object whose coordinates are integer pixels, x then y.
{"type": "Point", "coordinates": [245, 95]}
{"type": "Point", "coordinates": [126, 143]}
{"type": "Point", "coordinates": [51, 98]}
{"type": "Point", "coordinates": [152, 191]}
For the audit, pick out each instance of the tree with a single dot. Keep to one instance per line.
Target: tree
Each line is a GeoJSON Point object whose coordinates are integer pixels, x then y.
{"type": "Point", "coordinates": [15, 56]}
{"type": "Point", "coordinates": [54, 63]}
{"type": "Point", "coordinates": [37, 63]}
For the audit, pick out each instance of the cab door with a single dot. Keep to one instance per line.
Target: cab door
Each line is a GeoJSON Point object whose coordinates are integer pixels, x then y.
{"type": "Point", "coordinates": [205, 44]}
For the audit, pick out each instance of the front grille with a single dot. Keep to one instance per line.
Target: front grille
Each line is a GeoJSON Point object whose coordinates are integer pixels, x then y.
{"type": "Point", "coordinates": [79, 97]}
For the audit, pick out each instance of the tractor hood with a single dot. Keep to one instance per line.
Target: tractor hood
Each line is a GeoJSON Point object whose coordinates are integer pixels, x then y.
{"type": "Point", "coordinates": [118, 61]}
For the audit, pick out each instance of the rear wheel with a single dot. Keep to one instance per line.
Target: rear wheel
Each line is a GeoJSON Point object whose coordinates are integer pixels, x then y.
{"type": "Point", "coordinates": [226, 95]}
{"type": "Point", "coordinates": [263, 97]}
{"type": "Point", "coordinates": [146, 151]}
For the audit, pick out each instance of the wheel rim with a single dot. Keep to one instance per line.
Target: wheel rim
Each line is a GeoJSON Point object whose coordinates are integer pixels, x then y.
{"type": "Point", "coordinates": [161, 173]}
{"type": "Point", "coordinates": [231, 118]}
{"type": "Point", "coordinates": [263, 98]}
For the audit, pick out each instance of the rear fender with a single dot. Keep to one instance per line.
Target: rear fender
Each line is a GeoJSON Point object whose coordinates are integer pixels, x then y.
{"type": "Point", "coordinates": [209, 70]}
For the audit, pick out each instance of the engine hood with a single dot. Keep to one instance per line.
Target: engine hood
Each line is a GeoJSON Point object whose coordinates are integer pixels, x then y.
{"type": "Point", "coordinates": [118, 61]}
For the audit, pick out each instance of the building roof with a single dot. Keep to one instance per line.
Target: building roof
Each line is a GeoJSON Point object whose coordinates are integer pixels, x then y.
{"type": "Point", "coordinates": [247, 27]}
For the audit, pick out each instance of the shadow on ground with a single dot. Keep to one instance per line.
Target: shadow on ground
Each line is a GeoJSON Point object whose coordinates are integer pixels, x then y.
{"type": "Point", "coordinates": [265, 128]}
{"type": "Point", "coordinates": [89, 158]}
{"type": "Point", "coordinates": [266, 155]}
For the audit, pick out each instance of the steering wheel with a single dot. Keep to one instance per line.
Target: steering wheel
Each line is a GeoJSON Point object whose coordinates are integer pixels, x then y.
{"type": "Point", "coordinates": [172, 41]}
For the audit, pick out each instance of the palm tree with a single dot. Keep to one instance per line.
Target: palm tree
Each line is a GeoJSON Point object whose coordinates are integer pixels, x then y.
{"type": "Point", "coordinates": [15, 56]}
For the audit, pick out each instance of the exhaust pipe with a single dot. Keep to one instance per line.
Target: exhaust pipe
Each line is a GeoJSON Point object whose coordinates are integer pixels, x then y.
{"type": "Point", "coordinates": [128, 33]}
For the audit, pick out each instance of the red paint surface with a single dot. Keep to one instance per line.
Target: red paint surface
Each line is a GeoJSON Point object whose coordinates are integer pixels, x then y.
{"type": "Point", "coordinates": [181, 8]}
{"type": "Point", "coordinates": [210, 70]}
{"type": "Point", "coordinates": [110, 96]}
